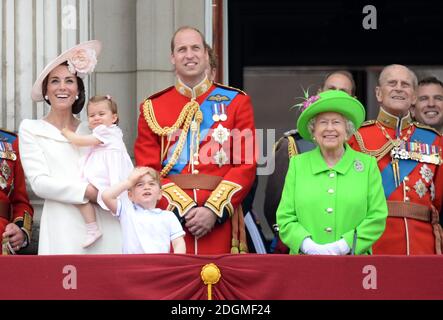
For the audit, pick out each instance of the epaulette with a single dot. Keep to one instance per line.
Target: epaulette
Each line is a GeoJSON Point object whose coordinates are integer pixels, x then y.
{"type": "Point", "coordinates": [159, 93]}
{"type": "Point", "coordinates": [7, 136]}
{"type": "Point", "coordinates": [230, 88]}
{"type": "Point", "coordinates": [367, 123]}
{"type": "Point", "coordinates": [425, 126]}
{"type": "Point", "coordinates": [291, 136]}
{"type": "Point", "coordinates": [293, 132]}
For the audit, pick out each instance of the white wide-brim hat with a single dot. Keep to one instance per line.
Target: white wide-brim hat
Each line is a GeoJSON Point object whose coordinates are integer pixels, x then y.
{"type": "Point", "coordinates": [81, 58]}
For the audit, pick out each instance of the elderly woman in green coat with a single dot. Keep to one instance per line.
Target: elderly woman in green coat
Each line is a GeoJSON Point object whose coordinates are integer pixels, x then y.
{"type": "Point", "coordinates": [333, 201]}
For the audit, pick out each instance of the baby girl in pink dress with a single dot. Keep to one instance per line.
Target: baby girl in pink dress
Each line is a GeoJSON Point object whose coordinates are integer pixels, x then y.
{"type": "Point", "coordinates": [107, 162]}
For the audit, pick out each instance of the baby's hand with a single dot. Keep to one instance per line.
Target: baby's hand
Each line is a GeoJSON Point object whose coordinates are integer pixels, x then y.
{"type": "Point", "coordinates": [65, 131]}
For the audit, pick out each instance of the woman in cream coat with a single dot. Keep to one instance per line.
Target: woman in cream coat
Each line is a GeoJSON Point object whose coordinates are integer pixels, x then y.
{"type": "Point", "coordinates": [51, 163]}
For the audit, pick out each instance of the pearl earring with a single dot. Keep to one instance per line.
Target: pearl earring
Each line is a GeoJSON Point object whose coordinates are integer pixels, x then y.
{"type": "Point", "coordinates": [46, 97]}
{"type": "Point", "coordinates": [76, 97]}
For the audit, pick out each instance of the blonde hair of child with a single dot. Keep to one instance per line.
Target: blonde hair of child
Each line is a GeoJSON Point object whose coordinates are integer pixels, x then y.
{"type": "Point", "coordinates": [154, 174]}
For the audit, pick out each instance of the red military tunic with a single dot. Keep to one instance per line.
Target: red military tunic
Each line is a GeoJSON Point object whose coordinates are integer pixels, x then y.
{"type": "Point", "coordinates": [220, 176]}
{"type": "Point", "coordinates": [14, 201]}
{"type": "Point", "coordinates": [416, 198]}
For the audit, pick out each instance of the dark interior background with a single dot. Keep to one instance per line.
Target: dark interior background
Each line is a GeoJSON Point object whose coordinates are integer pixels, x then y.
{"type": "Point", "coordinates": [277, 47]}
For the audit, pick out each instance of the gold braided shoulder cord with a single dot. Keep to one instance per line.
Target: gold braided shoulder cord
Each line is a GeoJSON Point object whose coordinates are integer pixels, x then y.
{"type": "Point", "coordinates": [148, 113]}
{"type": "Point", "coordinates": [378, 153]}
{"type": "Point", "coordinates": [292, 147]}
{"type": "Point", "coordinates": [184, 118]}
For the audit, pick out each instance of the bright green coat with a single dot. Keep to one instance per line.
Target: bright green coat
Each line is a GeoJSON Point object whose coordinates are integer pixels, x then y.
{"type": "Point", "coordinates": [328, 204]}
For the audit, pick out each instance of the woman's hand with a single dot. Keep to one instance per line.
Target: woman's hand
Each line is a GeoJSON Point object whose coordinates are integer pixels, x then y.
{"type": "Point", "coordinates": [91, 193]}
{"type": "Point", "coordinates": [336, 248]}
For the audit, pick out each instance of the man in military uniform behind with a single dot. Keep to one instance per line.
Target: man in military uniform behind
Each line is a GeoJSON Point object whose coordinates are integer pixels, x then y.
{"type": "Point", "coordinates": [290, 145]}
{"type": "Point", "coordinates": [200, 135]}
{"type": "Point", "coordinates": [15, 210]}
{"type": "Point", "coordinates": [409, 158]}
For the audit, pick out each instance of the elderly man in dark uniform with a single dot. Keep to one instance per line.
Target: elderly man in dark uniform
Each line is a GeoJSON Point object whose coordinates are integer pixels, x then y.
{"type": "Point", "coordinates": [290, 145]}
{"type": "Point", "coordinates": [200, 135]}
{"type": "Point", "coordinates": [409, 157]}
{"type": "Point", "coordinates": [15, 210]}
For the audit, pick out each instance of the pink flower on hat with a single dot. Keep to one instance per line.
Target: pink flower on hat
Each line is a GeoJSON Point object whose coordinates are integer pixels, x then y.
{"type": "Point", "coordinates": [309, 101]}
{"type": "Point", "coordinates": [83, 61]}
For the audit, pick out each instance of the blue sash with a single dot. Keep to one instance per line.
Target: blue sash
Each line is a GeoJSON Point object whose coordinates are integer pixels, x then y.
{"type": "Point", "coordinates": [406, 166]}
{"type": "Point", "coordinates": [207, 123]}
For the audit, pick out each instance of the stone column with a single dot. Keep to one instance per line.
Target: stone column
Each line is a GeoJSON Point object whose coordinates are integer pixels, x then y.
{"type": "Point", "coordinates": [33, 33]}
{"type": "Point", "coordinates": [156, 23]}
{"type": "Point", "coordinates": [114, 24]}
{"type": "Point", "coordinates": [135, 61]}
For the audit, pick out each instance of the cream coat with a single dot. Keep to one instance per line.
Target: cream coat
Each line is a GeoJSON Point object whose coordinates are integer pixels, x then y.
{"type": "Point", "coordinates": [51, 165]}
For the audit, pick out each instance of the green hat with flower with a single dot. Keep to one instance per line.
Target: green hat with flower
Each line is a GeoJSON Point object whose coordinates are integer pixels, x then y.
{"type": "Point", "coordinates": [330, 101]}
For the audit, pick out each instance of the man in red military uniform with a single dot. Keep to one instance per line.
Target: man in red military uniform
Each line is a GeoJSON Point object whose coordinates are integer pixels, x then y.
{"type": "Point", "coordinates": [409, 157]}
{"type": "Point", "coordinates": [15, 210]}
{"type": "Point", "coordinates": [201, 137]}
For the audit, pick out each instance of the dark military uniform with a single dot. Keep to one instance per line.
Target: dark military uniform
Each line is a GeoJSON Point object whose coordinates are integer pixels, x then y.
{"type": "Point", "coordinates": [14, 201]}
{"type": "Point", "coordinates": [286, 147]}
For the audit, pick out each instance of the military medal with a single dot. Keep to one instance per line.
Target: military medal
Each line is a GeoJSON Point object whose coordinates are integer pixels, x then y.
{"type": "Point", "coordinates": [220, 134]}
{"type": "Point", "coordinates": [416, 151]}
{"type": "Point", "coordinates": [426, 173]}
{"type": "Point", "coordinates": [395, 153]}
{"type": "Point", "coordinates": [215, 112]}
{"type": "Point", "coordinates": [220, 157]}
{"type": "Point", "coordinates": [6, 151]}
{"type": "Point", "coordinates": [420, 188]}
{"type": "Point", "coordinates": [223, 115]}
{"type": "Point", "coordinates": [6, 170]}
{"type": "Point", "coordinates": [8, 155]}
